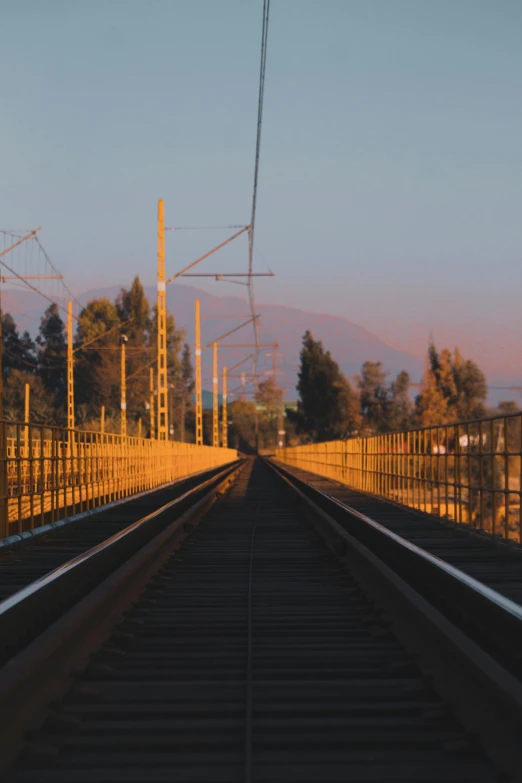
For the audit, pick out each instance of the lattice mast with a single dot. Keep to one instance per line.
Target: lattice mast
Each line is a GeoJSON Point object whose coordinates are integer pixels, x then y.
{"type": "Point", "coordinates": [280, 440]}
{"type": "Point", "coordinates": [225, 414]}
{"type": "Point", "coordinates": [215, 399]}
{"type": "Point", "coordinates": [199, 391]}
{"type": "Point", "coordinates": [151, 405]}
{"type": "Point", "coordinates": [123, 384]}
{"type": "Point", "coordinates": [163, 423]}
{"type": "Point", "coordinates": [28, 278]}
{"type": "Point", "coordinates": [70, 367]}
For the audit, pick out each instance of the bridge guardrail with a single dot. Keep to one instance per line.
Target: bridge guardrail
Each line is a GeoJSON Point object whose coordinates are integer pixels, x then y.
{"type": "Point", "coordinates": [468, 472]}
{"type": "Point", "coordinates": [47, 473]}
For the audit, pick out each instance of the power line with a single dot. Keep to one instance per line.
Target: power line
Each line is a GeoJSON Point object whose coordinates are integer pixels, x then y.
{"type": "Point", "coordinates": [262, 69]}
{"type": "Point", "coordinates": [24, 279]}
{"type": "Point", "coordinates": [34, 364]}
{"type": "Point", "coordinates": [200, 228]}
{"type": "Point", "coordinates": [32, 287]}
{"type": "Point", "coordinates": [55, 270]}
{"type": "Point", "coordinates": [264, 38]}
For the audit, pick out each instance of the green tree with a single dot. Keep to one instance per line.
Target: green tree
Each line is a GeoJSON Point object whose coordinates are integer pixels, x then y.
{"type": "Point", "coordinates": [374, 396]}
{"type": "Point", "coordinates": [432, 406]}
{"type": "Point", "coordinates": [328, 407]}
{"type": "Point", "coordinates": [385, 407]}
{"type": "Point", "coordinates": [134, 311]}
{"type": "Point", "coordinates": [471, 387]}
{"type": "Point", "coordinates": [241, 431]}
{"type": "Point", "coordinates": [18, 351]}
{"type": "Point", "coordinates": [442, 367]}
{"type": "Point", "coordinates": [97, 367]}
{"type": "Point", "coordinates": [268, 396]}
{"type": "Point", "coordinates": [186, 388]}
{"type": "Point", "coordinates": [133, 306]}
{"type": "Point", "coordinates": [52, 356]}
{"type": "Point", "coordinates": [453, 389]}
{"type": "Point", "coordinates": [41, 402]}
{"type": "Point", "coordinates": [268, 399]}
{"type": "Point", "coordinates": [401, 411]}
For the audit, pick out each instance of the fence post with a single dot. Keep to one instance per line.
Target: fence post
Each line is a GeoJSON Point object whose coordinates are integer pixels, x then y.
{"type": "Point", "coordinates": [4, 500]}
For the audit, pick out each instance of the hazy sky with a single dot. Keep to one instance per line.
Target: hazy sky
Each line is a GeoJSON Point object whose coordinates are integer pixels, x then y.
{"type": "Point", "coordinates": [390, 187]}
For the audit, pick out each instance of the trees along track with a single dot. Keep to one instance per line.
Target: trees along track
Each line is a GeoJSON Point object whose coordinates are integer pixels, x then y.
{"type": "Point", "coordinates": [273, 643]}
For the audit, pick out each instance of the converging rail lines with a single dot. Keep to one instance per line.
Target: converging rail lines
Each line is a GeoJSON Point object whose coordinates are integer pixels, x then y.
{"type": "Point", "coordinates": [254, 628]}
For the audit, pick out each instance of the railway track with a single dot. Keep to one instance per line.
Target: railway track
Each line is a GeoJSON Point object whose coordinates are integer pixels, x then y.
{"type": "Point", "coordinates": [22, 561]}
{"type": "Point", "coordinates": [102, 546]}
{"type": "Point", "coordinates": [491, 560]}
{"type": "Point", "coordinates": [270, 644]}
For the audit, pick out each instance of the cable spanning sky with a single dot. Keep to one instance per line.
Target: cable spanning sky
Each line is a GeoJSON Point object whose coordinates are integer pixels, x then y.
{"type": "Point", "coordinates": [390, 185]}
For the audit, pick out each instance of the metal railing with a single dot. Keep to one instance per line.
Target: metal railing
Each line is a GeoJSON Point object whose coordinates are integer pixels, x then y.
{"type": "Point", "coordinates": [48, 473]}
{"type": "Point", "coordinates": [468, 472]}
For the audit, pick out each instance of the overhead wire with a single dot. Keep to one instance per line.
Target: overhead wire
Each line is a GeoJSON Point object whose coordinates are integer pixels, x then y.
{"type": "Point", "coordinates": [28, 261]}
{"type": "Point", "coordinates": [32, 287]}
{"type": "Point", "coordinates": [19, 358]}
{"type": "Point", "coordinates": [55, 270]}
{"type": "Point", "coordinates": [251, 233]}
{"type": "Point", "coordinates": [199, 228]}
{"type": "Point", "coordinates": [261, 93]}
{"type": "Point", "coordinates": [263, 259]}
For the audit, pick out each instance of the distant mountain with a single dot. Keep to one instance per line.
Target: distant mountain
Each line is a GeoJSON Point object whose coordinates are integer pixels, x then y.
{"type": "Point", "coordinates": [349, 344]}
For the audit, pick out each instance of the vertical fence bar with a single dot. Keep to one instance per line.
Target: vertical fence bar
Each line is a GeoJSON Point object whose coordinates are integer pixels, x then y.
{"type": "Point", "coordinates": [42, 477]}
{"type": "Point", "coordinates": [519, 462]}
{"type": "Point", "coordinates": [4, 484]}
{"type": "Point", "coordinates": [457, 491]}
{"type": "Point", "coordinates": [457, 471]}
{"type": "Point", "coordinates": [31, 477]}
{"type": "Point", "coordinates": [63, 464]}
{"type": "Point", "coordinates": [493, 477]}
{"type": "Point", "coordinates": [481, 476]}
{"type": "Point", "coordinates": [424, 470]}
{"type": "Point", "coordinates": [470, 498]}
{"type": "Point", "coordinates": [506, 478]}
{"type": "Point", "coordinates": [46, 472]}
{"type": "Point", "coordinates": [19, 527]}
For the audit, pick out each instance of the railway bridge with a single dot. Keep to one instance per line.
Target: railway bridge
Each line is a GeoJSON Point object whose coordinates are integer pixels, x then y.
{"type": "Point", "coordinates": [338, 611]}
{"type": "Point", "coordinates": [171, 612]}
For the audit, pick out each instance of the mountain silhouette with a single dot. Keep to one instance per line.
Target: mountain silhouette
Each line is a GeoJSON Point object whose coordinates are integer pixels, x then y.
{"type": "Point", "coordinates": [349, 344]}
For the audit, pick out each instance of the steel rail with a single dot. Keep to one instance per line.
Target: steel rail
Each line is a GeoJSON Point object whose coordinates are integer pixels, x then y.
{"type": "Point", "coordinates": [249, 672]}
{"type": "Point", "coordinates": [338, 692]}
{"type": "Point", "coordinates": [490, 618]}
{"type": "Point", "coordinates": [503, 603]}
{"type": "Point", "coordinates": [25, 613]}
{"type": "Point", "coordinates": [17, 540]}
{"type": "Point", "coordinates": [452, 627]}
{"type": "Point", "coordinates": [40, 671]}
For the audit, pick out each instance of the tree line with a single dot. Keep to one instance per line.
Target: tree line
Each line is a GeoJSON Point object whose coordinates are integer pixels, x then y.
{"type": "Point", "coordinates": [330, 406]}
{"type": "Point", "coordinates": [42, 363]}
{"type": "Point", "coordinates": [99, 329]}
